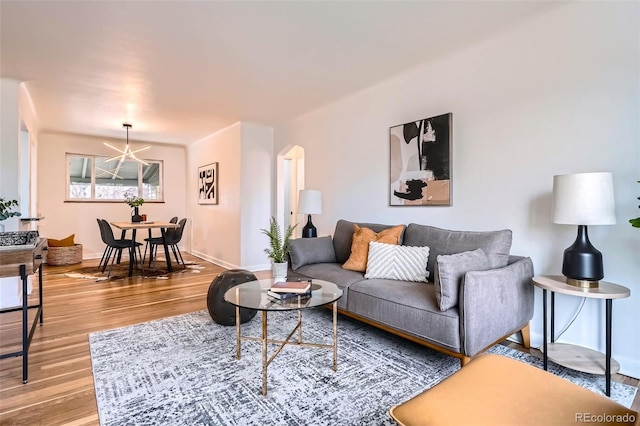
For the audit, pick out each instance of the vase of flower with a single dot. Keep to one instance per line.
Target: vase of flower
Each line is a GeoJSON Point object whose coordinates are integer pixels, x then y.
{"type": "Point", "coordinates": [135, 215]}
{"type": "Point", "coordinates": [135, 203]}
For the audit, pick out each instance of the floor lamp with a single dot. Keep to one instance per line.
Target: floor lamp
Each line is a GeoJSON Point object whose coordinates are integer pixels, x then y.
{"type": "Point", "coordinates": [309, 202]}
{"type": "Point", "coordinates": [583, 199]}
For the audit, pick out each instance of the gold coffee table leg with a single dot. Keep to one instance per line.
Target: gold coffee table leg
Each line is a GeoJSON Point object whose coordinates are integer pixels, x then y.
{"type": "Point", "coordinates": [335, 336]}
{"type": "Point", "coordinates": [299, 325]}
{"type": "Point", "coordinates": [237, 332]}
{"type": "Point", "coordinates": [264, 352]}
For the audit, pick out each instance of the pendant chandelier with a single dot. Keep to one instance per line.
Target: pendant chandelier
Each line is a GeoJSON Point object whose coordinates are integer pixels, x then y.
{"type": "Point", "coordinates": [127, 153]}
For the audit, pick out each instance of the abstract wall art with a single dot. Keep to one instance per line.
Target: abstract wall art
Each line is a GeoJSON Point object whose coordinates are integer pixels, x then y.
{"type": "Point", "coordinates": [420, 162]}
{"type": "Point", "coordinates": [208, 184]}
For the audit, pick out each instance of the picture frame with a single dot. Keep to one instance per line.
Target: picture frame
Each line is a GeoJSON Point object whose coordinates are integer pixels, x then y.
{"type": "Point", "coordinates": [420, 162]}
{"type": "Point", "coordinates": [208, 184]}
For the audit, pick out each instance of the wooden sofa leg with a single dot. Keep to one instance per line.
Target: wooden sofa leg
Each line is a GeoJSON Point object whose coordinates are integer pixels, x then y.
{"type": "Point", "coordinates": [464, 360]}
{"type": "Point", "coordinates": [526, 336]}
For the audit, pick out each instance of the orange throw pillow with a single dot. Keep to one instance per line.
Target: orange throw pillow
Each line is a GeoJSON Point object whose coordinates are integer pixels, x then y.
{"type": "Point", "coordinates": [65, 242]}
{"type": "Point", "coordinates": [360, 245]}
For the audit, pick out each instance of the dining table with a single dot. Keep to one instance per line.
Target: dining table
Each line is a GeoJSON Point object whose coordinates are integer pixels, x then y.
{"type": "Point", "coordinates": [149, 225]}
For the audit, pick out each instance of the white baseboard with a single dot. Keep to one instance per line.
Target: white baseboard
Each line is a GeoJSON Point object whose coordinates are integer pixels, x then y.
{"type": "Point", "coordinates": [227, 265]}
{"type": "Point", "coordinates": [212, 259]}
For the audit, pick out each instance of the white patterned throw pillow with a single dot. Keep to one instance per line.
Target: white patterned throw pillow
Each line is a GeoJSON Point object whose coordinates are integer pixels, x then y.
{"type": "Point", "coordinates": [396, 262]}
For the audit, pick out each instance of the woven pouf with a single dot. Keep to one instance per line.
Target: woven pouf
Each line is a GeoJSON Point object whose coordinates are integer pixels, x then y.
{"type": "Point", "coordinates": [59, 256]}
{"type": "Point", "coordinates": [224, 312]}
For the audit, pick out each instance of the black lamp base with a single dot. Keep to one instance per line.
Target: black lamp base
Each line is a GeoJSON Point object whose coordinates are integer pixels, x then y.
{"type": "Point", "coordinates": [582, 264]}
{"type": "Point", "coordinates": [309, 231]}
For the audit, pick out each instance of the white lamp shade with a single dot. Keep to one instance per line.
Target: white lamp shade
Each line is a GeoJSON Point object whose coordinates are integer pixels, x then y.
{"type": "Point", "coordinates": [309, 201]}
{"type": "Point", "coordinates": [583, 199]}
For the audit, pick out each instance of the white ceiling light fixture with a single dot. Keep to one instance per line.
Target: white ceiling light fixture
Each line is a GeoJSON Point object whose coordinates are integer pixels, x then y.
{"type": "Point", "coordinates": [127, 153]}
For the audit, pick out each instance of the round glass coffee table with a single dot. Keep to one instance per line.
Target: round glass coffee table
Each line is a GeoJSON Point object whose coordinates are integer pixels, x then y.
{"type": "Point", "coordinates": [253, 295]}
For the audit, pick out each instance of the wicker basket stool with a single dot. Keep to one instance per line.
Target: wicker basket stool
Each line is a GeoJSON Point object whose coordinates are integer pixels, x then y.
{"type": "Point", "coordinates": [58, 256]}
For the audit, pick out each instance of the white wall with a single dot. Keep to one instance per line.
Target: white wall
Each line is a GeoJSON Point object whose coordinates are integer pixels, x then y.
{"type": "Point", "coordinates": [216, 228]}
{"type": "Point", "coordinates": [9, 145]}
{"type": "Point", "coordinates": [558, 94]}
{"type": "Point", "coordinates": [79, 218]}
{"type": "Point", "coordinates": [257, 178]}
{"type": "Point", "coordinates": [30, 119]}
{"type": "Point", "coordinates": [228, 233]}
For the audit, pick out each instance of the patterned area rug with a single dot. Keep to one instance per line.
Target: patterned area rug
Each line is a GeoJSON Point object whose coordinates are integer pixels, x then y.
{"type": "Point", "coordinates": [182, 371]}
{"type": "Point", "coordinates": [121, 271]}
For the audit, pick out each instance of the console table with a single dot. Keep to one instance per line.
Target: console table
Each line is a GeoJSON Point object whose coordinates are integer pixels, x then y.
{"type": "Point", "coordinates": [572, 356]}
{"type": "Point", "coordinates": [22, 261]}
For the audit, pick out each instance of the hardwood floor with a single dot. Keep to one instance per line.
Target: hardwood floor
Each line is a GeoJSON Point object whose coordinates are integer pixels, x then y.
{"type": "Point", "coordinates": [60, 388]}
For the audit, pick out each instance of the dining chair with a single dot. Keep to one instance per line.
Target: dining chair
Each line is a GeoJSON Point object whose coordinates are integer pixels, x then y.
{"type": "Point", "coordinates": [146, 246]}
{"type": "Point", "coordinates": [173, 237]}
{"type": "Point", "coordinates": [172, 220]}
{"type": "Point", "coordinates": [116, 246]}
{"type": "Point", "coordinates": [107, 248]}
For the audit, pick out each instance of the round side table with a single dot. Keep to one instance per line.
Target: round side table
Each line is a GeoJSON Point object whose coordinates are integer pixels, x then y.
{"type": "Point", "coordinates": [573, 356]}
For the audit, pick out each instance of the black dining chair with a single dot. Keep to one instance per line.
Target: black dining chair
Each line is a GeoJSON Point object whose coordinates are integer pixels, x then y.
{"type": "Point", "coordinates": [107, 248]}
{"type": "Point", "coordinates": [172, 220]}
{"type": "Point", "coordinates": [173, 237]}
{"type": "Point", "coordinates": [115, 246]}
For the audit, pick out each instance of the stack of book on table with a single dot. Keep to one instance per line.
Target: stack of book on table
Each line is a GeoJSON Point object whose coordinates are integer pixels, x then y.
{"type": "Point", "coordinates": [289, 289]}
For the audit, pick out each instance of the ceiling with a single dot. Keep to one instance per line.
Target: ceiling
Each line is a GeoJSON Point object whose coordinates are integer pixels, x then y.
{"type": "Point", "coordinates": [181, 70]}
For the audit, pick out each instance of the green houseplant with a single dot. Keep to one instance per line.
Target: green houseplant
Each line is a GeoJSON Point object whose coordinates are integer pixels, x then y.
{"type": "Point", "coordinates": [635, 222]}
{"type": "Point", "coordinates": [278, 247]}
{"type": "Point", "coordinates": [6, 210]}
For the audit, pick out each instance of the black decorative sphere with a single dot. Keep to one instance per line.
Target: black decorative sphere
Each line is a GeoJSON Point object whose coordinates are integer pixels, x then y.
{"type": "Point", "coordinates": [224, 312]}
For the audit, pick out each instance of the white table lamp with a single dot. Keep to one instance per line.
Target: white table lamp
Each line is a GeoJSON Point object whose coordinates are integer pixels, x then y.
{"type": "Point", "coordinates": [583, 199]}
{"type": "Point", "coordinates": [309, 202]}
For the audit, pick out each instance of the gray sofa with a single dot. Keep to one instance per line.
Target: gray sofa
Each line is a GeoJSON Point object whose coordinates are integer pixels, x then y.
{"type": "Point", "coordinates": [491, 304]}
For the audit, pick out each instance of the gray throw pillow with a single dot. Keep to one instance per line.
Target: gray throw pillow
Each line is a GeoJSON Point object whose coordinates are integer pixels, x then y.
{"type": "Point", "coordinates": [450, 269]}
{"type": "Point", "coordinates": [305, 251]}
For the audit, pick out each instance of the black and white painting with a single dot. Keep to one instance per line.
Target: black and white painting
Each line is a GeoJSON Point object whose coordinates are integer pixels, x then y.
{"type": "Point", "coordinates": [420, 162]}
{"type": "Point", "coordinates": [208, 184]}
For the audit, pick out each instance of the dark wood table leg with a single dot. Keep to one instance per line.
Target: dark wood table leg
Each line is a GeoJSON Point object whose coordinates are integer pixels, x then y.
{"type": "Point", "coordinates": [553, 317]}
{"type": "Point", "coordinates": [544, 329]}
{"type": "Point", "coordinates": [166, 249]}
{"type": "Point", "coordinates": [25, 335]}
{"type": "Point", "coordinates": [132, 255]}
{"type": "Point", "coordinates": [40, 294]}
{"type": "Point", "coordinates": [123, 234]}
{"type": "Point", "coordinates": [609, 306]}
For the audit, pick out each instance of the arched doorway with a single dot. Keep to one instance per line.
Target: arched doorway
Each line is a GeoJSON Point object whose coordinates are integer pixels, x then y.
{"type": "Point", "coordinates": [290, 179]}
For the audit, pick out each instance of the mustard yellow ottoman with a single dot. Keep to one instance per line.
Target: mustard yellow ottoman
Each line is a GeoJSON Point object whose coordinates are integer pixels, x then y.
{"type": "Point", "coordinates": [496, 390]}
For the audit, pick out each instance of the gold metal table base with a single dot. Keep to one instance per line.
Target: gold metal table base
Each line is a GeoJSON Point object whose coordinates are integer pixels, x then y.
{"type": "Point", "coordinates": [265, 340]}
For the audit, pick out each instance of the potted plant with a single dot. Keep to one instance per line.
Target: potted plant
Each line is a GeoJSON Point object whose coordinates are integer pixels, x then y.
{"type": "Point", "coordinates": [6, 207]}
{"type": "Point", "coordinates": [635, 222]}
{"type": "Point", "coordinates": [278, 248]}
{"type": "Point", "coordinates": [135, 202]}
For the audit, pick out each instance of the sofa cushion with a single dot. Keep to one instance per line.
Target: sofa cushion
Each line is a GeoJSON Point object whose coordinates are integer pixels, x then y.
{"type": "Point", "coordinates": [343, 236]}
{"type": "Point", "coordinates": [406, 306]}
{"type": "Point", "coordinates": [450, 269]}
{"type": "Point", "coordinates": [396, 262]}
{"type": "Point", "coordinates": [334, 273]}
{"type": "Point", "coordinates": [495, 244]}
{"type": "Point", "coordinates": [360, 245]}
{"type": "Point", "coordinates": [306, 251]}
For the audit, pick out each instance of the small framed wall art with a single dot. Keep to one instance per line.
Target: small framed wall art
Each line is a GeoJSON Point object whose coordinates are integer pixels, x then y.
{"type": "Point", "coordinates": [208, 184]}
{"type": "Point", "coordinates": [420, 162]}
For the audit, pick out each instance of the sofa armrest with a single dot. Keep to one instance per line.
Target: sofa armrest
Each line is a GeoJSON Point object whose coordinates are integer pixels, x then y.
{"type": "Point", "coordinates": [494, 303]}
